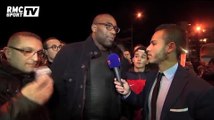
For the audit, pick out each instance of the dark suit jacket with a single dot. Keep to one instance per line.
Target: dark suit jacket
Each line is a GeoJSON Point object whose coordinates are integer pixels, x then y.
{"type": "Point", "coordinates": [188, 98]}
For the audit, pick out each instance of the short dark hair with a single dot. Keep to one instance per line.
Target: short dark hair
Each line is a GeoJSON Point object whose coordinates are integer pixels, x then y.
{"type": "Point", "coordinates": [140, 48]}
{"type": "Point", "coordinates": [45, 46]}
{"type": "Point", "coordinates": [174, 33]}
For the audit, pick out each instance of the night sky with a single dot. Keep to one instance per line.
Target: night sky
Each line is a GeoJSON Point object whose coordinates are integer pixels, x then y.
{"type": "Point", "coordinates": [70, 21]}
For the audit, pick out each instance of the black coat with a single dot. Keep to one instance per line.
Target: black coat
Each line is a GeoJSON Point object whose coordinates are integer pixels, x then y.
{"type": "Point", "coordinates": [70, 71]}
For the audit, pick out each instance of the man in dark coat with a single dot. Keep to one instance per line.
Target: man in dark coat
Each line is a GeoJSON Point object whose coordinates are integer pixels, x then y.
{"type": "Point", "coordinates": [22, 96]}
{"type": "Point", "coordinates": [84, 87]}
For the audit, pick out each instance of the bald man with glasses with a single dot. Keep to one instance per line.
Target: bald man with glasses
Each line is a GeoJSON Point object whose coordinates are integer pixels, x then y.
{"type": "Point", "coordinates": [22, 94]}
{"type": "Point", "coordinates": [83, 80]}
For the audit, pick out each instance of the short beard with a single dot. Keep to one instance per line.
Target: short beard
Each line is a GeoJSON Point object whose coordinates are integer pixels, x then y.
{"type": "Point", "coordinates": [162, 56]}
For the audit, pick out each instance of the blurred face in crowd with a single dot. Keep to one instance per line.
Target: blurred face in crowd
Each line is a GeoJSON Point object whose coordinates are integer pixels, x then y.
{"type": "Point", "coordinates": [53, 47]}
{"type": "Point", "coordinates": [127, 54]}
{"type": "Point", "coordinates": [206, 53]}
{"type": "Point", "coordinates": [140, 60]}
{"type": "Point", "coordinates": [104, 30]}
{"type": "Point", "coordinates": [25, 53]}
{"type": "Point", "coordinates": [157, 51]}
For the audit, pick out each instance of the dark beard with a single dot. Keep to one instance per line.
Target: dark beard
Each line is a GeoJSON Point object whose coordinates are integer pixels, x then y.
{"type": "Point", "coordinates": [162, 57]}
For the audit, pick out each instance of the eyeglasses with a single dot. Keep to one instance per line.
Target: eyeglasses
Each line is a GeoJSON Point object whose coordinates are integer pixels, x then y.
{"type": "Point", "coordinates": [109, 27]}
{"type": "Point", "coordinates": [29, 53]}
{"type": "Point", "coordinates": [55, 47]}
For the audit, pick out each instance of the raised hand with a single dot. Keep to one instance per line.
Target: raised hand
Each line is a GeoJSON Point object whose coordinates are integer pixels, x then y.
{"type": "Point", "coordinates": [40, 90]}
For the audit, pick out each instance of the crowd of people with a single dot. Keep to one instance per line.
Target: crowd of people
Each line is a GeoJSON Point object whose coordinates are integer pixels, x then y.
{"type": "Point", "coordinates": [50, 80]}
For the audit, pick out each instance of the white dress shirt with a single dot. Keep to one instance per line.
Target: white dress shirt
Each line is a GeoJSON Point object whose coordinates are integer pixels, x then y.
{"type": "Point", "coordinates": [163, 91]}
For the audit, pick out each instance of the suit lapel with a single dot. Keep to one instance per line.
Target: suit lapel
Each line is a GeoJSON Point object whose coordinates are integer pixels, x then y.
{"type": "Point", "coordinates": [175, 90]}
{"type": "Point", "coordinates": [149, 82]}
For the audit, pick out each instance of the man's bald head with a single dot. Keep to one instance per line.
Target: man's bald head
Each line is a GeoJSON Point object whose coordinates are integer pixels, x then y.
{"type": "Point", "coordinates": [15, 38]}
{"type": "Point", "coordinates": [103, 17]}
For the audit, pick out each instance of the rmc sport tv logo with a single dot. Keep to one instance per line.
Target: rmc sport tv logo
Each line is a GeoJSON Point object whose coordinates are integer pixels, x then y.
{"type": "Point", "coordinates": [22, 11]}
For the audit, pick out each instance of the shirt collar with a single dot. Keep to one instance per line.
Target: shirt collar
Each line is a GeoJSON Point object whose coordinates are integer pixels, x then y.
{"type": "Point", "coordinates": [169, 73]}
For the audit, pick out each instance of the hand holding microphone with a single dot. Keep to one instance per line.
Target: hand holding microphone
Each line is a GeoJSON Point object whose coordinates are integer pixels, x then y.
{"type": "Point", "coordinates": [121, 85]}
{"type": "Point", "coordinates": [114, 63]}
{"type": "Point", "coordinates": [122, 88]}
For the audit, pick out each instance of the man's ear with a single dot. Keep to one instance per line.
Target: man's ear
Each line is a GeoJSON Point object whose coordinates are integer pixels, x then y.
{"type": "Point", "coordinates": [171, 47]}
{"type": "Point", "coordinates": [94, 27]}
{"type": "Point", "coordinates": [147, 62]}
{"type": "Point", "coordinates": [45, 51]}
{"type": "Point", "coordinates": [132, 59]}
{"type": "Point", "coordinates": [7, 52]}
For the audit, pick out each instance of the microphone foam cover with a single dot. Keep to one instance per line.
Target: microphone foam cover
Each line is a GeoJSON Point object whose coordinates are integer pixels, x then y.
{"type": "Point", "coordinates": [113, 60]}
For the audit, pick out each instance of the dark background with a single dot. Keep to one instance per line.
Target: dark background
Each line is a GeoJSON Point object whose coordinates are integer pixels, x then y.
{"type": "Point", "coordinates": [70, 21]}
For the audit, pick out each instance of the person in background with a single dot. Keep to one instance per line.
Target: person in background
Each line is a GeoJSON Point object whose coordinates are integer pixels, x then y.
{"type": "Point", "coordinates": [150, 66]}
{"type": "Point", "coordinates": [84, 87]}
{"type": "Point", "coordinates": [137, 46]}
{"type": "Point", "coordinates": [171, 93]}
{"type": "Point", "coordinates": [51, 47]}
{"type": "Point", "coordinates": [205, 69]}
{"type": "Point", "coordinates": [22, 94]}
{"type": "Point", "coordinates": [127, 55]}
{"type": "Point", "coordinates": [208, 72]}
{"type": "Point", "coordinates": [136, 78]}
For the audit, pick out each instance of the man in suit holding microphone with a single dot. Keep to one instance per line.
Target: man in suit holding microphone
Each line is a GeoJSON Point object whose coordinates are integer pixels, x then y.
{"type": "Point", "coordinates": [178, 94]}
